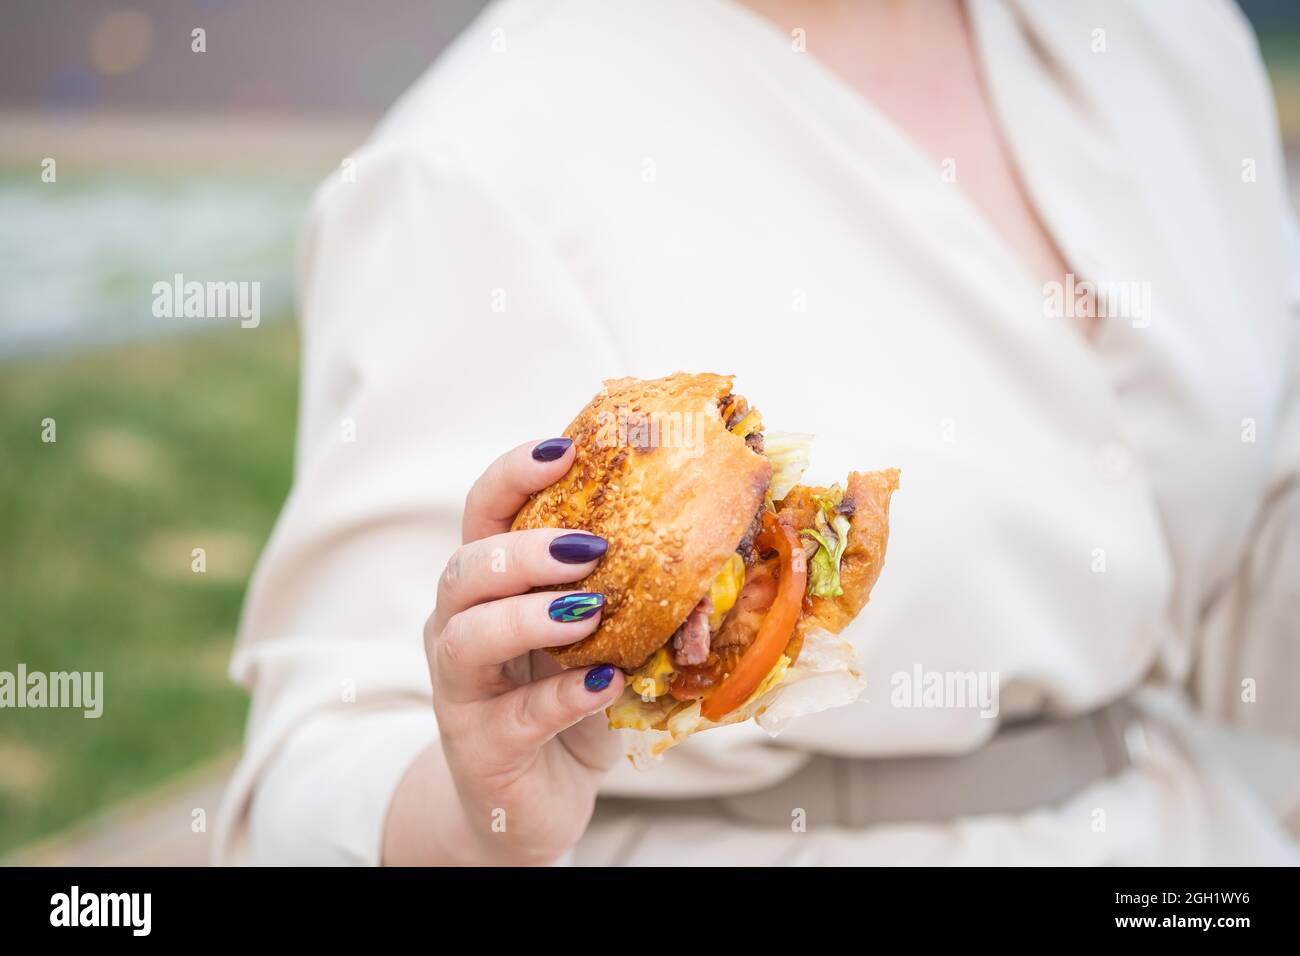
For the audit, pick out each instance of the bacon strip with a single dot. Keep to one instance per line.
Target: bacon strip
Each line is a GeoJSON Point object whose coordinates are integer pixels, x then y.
{"type": "Point", "coordinates": [691, 642]}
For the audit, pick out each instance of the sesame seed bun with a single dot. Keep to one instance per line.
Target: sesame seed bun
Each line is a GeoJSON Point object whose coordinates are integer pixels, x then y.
{"type": "Point", "coordinates": [659, 476]}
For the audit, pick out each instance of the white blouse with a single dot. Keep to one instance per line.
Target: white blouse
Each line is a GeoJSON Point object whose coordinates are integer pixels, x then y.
{"type": "Point", "coordinates": [582, 189]}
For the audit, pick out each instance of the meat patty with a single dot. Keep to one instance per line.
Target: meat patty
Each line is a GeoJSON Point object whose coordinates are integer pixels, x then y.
{"type": "Point", "coordinates": [691, 642]}
{"type": "Point", "coordinates": [733, 408]}
{"type": "Point", "coordinates": [746, 547]}
{"type": "Point", "coordinates": [742, 624]}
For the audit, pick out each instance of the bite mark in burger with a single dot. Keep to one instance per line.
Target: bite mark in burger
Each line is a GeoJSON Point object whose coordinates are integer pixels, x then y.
{"type": "Point", "coordinates": [720, 565]}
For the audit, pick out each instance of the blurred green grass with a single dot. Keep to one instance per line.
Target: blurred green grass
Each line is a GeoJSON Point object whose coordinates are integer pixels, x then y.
{"type": "Point", "coordinates": [162, 447]}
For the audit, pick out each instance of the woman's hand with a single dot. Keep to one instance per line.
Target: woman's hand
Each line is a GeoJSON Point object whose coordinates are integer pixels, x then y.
{"type": "Point", "coordinates": [524, 741]}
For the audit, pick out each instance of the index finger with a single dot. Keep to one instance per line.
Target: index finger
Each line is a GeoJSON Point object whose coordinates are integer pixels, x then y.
{"type": "Point", "coordinates": [501, 491]}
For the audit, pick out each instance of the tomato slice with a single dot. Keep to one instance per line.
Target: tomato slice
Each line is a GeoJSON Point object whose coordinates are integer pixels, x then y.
{"type": "Point", "coordinates": [778, 624]}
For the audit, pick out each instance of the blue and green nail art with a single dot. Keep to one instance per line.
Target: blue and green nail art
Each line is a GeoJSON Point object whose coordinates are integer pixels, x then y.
{"type": "Point", "coordinates": [576, 607]}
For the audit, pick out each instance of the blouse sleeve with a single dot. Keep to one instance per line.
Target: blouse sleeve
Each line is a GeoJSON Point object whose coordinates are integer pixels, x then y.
{"type": "Point", "coordinates": [437, 326]}
{"type": "Point", "coordinates": [1249, 665]}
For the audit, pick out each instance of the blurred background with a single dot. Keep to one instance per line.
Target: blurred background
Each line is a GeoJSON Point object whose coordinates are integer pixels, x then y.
{"type": "Point", "coordinates": [131, 149]}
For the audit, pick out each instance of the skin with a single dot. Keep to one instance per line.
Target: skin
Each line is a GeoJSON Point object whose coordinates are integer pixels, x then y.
{"type": "Point", "coordinates": [916, 63]}
{"type": "Point", "coordinates": [516, 734]}
{"type": "Point", "coordinates": [522, 742]}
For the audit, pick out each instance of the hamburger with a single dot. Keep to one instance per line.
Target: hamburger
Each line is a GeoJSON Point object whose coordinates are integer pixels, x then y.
{"type": "Point", "coordinates": [725, 581]}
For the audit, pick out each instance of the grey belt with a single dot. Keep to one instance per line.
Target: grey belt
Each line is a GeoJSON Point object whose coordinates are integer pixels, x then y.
{"type": "Point", "coordinates": [1024, 766]}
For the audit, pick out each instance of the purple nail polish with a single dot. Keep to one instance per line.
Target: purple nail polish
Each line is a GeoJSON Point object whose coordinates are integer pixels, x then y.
{"type": "Point", "coordinates": [551, 449]}
{"type": "Point", "coordinates": [578, 548]}
{"type": "Point", "coordinates": [598, 677]}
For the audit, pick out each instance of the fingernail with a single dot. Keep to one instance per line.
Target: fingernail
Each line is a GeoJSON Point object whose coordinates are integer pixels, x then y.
{"type": "Point", "coordinates": [578, 548]}
{"type": "Point", "coordinates": [551, 449]}
{"type": "Point", "coordinates": [598, 677]}
{"type": "Point", "coordinates": [576, 607]}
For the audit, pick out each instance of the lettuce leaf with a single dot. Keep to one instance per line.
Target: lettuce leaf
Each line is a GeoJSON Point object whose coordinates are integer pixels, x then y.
{"type": "Point", "coordinates": [788, 453]}
{"type": "Point", "coordinates": [832, 536]}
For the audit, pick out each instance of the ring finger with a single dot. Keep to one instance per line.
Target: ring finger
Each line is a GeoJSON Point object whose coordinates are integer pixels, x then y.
{"type": "Point", "coordinates": [468, 656]}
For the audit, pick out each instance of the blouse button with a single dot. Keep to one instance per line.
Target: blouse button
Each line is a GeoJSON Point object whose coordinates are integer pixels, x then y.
{"type": "Point", "coordinates": [1115, 461]}
{"type": "Point", "coordinates": [1135, 743]}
